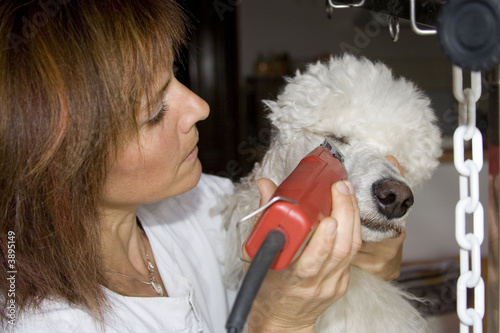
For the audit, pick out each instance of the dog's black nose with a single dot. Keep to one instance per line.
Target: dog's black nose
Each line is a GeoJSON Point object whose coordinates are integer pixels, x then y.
{"type": "Point", "coordinates": [393, 198]}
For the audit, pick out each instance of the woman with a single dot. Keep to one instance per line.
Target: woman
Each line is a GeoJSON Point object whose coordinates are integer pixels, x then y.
{"type": "Point", "coordinates": [104, 211]}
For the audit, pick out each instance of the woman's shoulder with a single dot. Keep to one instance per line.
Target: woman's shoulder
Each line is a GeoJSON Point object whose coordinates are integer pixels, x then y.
{"type": "Point", "coordinates": [125, 314]}
{"type": "Point", "coordinates": [54, 316]}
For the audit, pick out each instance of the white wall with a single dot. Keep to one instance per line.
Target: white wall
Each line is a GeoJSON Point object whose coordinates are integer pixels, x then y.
{"type": "Point", "coordinates": [431, 226]}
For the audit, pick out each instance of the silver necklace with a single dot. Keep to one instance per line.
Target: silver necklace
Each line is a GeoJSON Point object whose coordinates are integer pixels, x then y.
{"type": "Point", "coordinates": [152, 281]}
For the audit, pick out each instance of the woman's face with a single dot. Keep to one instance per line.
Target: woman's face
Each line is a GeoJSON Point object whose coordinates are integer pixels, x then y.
{"type": "Point", "coordinates": [163, 161]}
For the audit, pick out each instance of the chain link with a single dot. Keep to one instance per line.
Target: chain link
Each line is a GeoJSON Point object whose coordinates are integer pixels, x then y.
{"type": "Point", "coordinates": [470, 243]}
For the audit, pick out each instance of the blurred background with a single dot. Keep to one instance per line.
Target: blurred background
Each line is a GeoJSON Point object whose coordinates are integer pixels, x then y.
{"type": "Point", "coordinates": [241, 49]}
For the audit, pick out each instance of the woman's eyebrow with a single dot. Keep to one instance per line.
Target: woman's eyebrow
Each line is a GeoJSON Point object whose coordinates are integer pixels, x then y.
{"type": "Point", "coordinates": [161, 91]}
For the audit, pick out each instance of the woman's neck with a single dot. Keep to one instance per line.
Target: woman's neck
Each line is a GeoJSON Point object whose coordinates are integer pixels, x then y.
{"type": "Point", "coordinates": [122, 240]}
{"type": "Point", "coordinates": [126, 251]}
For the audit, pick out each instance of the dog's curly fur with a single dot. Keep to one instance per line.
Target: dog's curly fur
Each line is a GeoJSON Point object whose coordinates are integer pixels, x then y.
{"type": "Point", "coordinates": [368, 114]}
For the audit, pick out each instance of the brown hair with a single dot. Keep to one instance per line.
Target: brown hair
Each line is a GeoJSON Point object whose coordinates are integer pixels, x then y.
{"type": "Point", "coordinates": [71, 73]}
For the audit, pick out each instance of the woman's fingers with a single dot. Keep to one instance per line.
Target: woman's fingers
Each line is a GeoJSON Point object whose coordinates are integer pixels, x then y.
{"type": "Point", "coordinates": [345, 210]}
{"type": "Point", "coordinates": [266, 188]}
{"type": "Point", "coordinates": [336, 237]}
{"type": "Point", "coordinates": [318, 250]}
{"type": "Point", "coordinates": [382, 259]}
{"type": "Point", "coordinates": [395, 163]}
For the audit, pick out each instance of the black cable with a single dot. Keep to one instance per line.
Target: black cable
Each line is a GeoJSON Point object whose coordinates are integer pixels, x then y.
{"type": "Point", "coordinates": [267, 253]}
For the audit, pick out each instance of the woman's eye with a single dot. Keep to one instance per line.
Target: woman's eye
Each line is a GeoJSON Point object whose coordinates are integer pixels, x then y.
{"type": "Point", "coordinates": [159, 115]}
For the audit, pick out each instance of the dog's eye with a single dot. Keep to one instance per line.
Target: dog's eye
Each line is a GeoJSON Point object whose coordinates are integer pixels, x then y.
{"type": "Point", "coordinates": [340, 139]}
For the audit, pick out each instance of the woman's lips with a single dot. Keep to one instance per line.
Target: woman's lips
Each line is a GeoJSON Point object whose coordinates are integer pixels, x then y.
{"type": "Point", "coordinates": [192, 154]}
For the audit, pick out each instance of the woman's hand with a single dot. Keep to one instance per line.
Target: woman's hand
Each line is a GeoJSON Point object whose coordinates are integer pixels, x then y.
{"type": "Point", "coordinates": [291, 300]}
{"type": "Point", "coordinates": [382, 259]}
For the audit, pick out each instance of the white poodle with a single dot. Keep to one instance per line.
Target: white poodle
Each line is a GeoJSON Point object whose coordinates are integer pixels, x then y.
{"type": "Point", "coordinates": [368, 114]}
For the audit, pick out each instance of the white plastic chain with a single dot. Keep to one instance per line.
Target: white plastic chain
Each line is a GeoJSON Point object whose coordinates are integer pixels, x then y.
{"type": "Point", "coordinates": [470, 243]}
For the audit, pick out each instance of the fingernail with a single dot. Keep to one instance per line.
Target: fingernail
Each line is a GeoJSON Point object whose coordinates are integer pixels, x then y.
{"type": "Point", "coordinates": [344, 187]}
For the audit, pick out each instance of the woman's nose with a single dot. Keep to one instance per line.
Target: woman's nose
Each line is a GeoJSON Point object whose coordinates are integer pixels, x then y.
{"type": "Point", "coordinates": [195, 110]}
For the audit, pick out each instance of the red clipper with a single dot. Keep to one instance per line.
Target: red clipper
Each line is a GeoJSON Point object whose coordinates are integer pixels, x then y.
{"type": "Point", "coordinates": [299, 203]}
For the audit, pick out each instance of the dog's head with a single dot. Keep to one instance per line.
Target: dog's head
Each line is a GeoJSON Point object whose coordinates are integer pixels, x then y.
{"type": "Point", "coordinates": [368, 114]}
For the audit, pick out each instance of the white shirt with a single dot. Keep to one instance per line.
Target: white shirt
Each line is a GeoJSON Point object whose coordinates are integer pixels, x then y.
{"type": "Point", "coordinates": [188, 246]}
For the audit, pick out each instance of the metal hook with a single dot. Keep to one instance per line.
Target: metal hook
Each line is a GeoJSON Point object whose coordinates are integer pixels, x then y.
{"type": "Point", "coordinates": [413, 22]}
{"type": "Point", "coordinates": [330, 2]}
{"type": "Point", "coordinates": [393, 23]}
{"type": "Point", "coordinates": [329, 10]}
